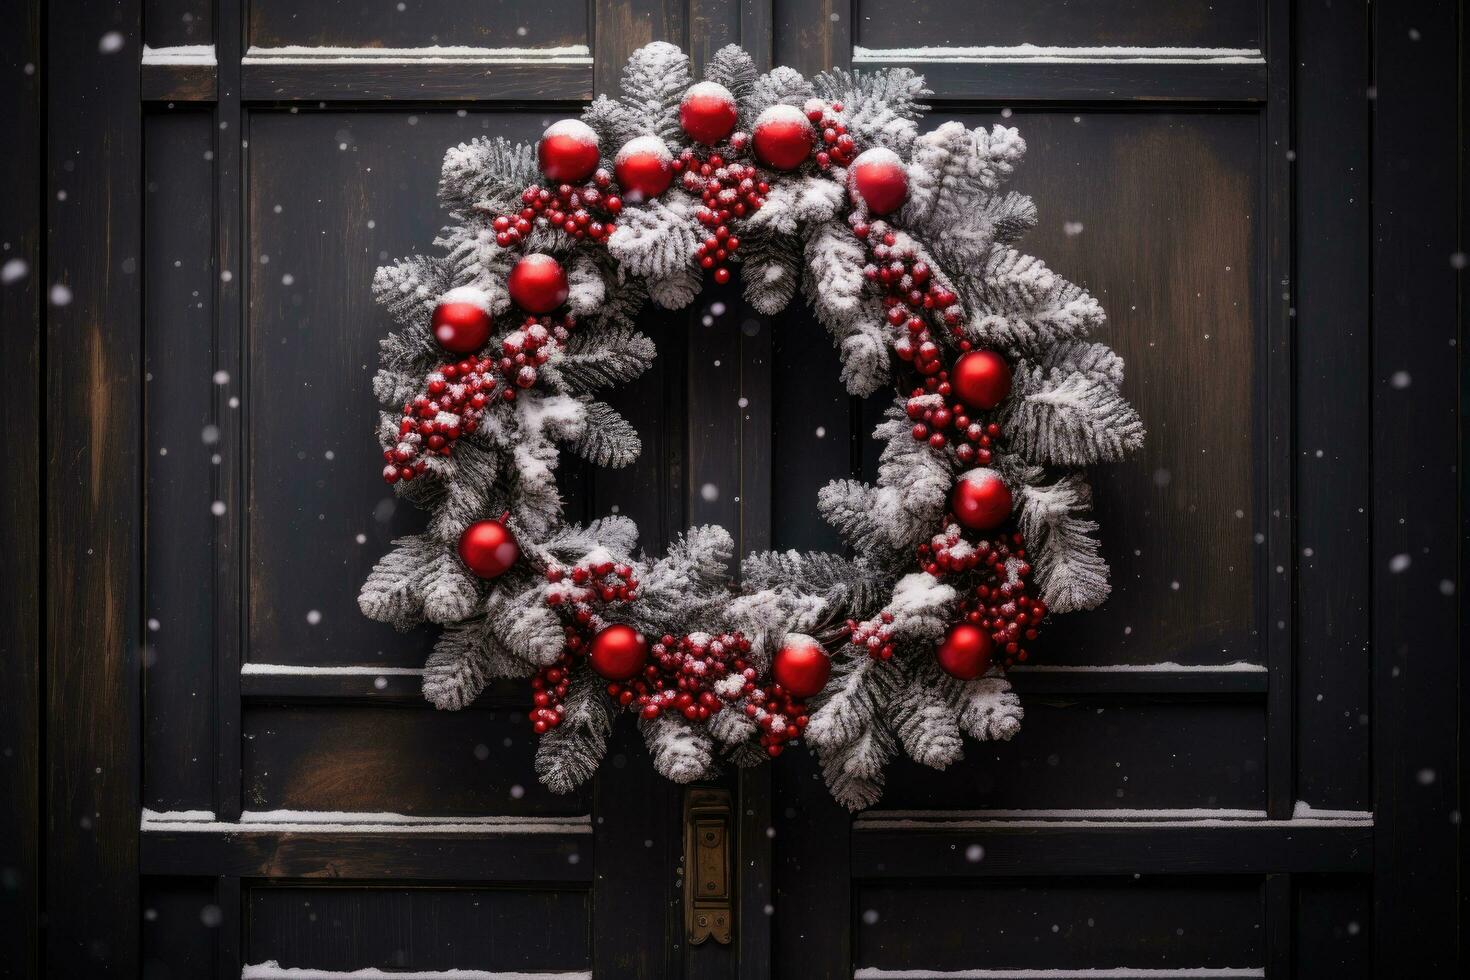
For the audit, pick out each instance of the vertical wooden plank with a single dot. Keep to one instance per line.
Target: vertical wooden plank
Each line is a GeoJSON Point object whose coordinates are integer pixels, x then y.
{"type": "Point", "coordinates": [1334, 249]}
{"type": "Point", "coordinates": [94, 488]}
{"type": "Point", "coordinates": [814, 35]}
{"type": "Point", "coordinates": [712, 25]}
{"type": "Point", "coordinates": [637, 918]}
{"type": "Point", "coordinates": [228, 947]}
{"type": "Point", "coordinates": [1278, 911]}
{"type": "Point", "coordinates": [620, 27]}
{"type": "Point", "coordinates": [1277, 425]}
{"type": "Point", "coordinates": [230, 410]}
{"type": "Point", "coordinates": [1417, 153]}
{"type": "Point", "coordinates": [22, 278]}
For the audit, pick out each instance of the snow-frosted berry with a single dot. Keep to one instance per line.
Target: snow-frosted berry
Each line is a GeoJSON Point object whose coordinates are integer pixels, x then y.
{"type": "Point", "coordinates": [568, 151]}
{"type": "Point", "coordinates": [644, 168]}
{"type": "Point", "coordinates": [461, 321]}
{"type": "Point", "coordinates": [707, 112]}
{"type": "Point", "coordinates": [783, 137]}
{"type": "Point", "coordinates": [981, 500]}
{"type": "Point", "coordinates": [537, 283]}
{"type": "Point", "coordinates": [879, 179]}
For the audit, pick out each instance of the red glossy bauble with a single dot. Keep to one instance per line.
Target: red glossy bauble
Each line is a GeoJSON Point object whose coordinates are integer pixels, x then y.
{"type": "Point", "coordinates": [981, 500]}
{"type": "Point", "coordinates": [537, 283]}
{"type": "Point", "coordinates": [707, 113]}
{"type": "Point", "coordinates": [801, 666]}
{"type": "Point", "coordinates": [462, 320]}
{"type": "Point", "coordinates": [981, 379]}
{"type": "Point", "coordinates": [618, 652]}
{"type": "Point", "coordinates": [568, 151]}
{"type": "Point", "coordinates": [879, 179]}
{"type": "Point", "coordinates": [965, 652]}
{"type": "Point", "coordinates": [783, 137]}
{"type": "Point", "coordinates": [644, 168]}
{"type": "Point", "coordinates": [488, 549]}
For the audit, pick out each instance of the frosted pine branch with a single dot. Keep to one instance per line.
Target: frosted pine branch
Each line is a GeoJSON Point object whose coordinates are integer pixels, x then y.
{"type": "Point", "coordinates": [569, 754]}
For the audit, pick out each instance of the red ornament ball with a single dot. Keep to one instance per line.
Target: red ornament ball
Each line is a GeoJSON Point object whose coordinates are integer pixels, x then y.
{"type": "Point", "coordinates": [488, 549]}
{"type": "Point", "coordinates": [644, 167]}
{"type": "Point", "coordinates": [537, 283]}
{"type": "Point", "coordinates": [801, 666]}
{"type": "Point", "coordinates": [462, 320]}
{"type": "Point", "coordinates": [783, 137]}
{"type": "Point", "coordinates": [981, 500]}
{"type": "Point", "coordinates": [618, 652]}
{"type": "Point", "coordinates": [708, 112]}
{"type": "Point", "coordinates": [568, 151]}
{"type": "Point", "coordinates": [879, 179]}
{"type": "Point", "coordinates": [981, 379]}
{"type": "Point", "coordinates": [965, 652]}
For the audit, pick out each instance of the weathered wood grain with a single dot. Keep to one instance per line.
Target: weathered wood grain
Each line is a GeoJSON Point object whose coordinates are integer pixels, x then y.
{"type": "Point", "coordinates": [20, 511]}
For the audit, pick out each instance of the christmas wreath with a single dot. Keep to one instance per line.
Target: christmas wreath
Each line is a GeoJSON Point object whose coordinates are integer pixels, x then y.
{"type": "Point", "coordinates": [977, 528]}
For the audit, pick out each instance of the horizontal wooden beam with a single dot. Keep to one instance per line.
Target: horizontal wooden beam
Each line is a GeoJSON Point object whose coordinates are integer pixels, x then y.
{"type": "Point", "coordinates": [414, 81]}
{"type": "Point", "coordinates": [1109, 81]}
{"type": "Point", "coordinates": [969, 849]}
{"type": "Point", "coordinates": [426, 856]}
{"type": "Point", "coordinates": [263, 682]}
{"type": "Point", "coordinates": [178, 82]}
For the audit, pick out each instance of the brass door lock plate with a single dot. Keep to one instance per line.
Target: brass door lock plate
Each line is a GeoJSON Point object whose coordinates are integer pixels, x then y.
{"type": "Point", "coordinates": [709, 907]}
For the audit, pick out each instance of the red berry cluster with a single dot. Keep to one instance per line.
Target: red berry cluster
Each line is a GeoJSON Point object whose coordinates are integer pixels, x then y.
{"type": "Point", "coordinates": [910, 295]}
{"type": "Point", "coordinates": [587, 583]}
{"type": "Point", "coordinates": [455, 396]}
{"type": "Point", "coordinates": [873, 635]}
{"type": "Point", "coordinates": [730, 191]}
{"type": "Point", "coordinates": [686, 675]}
{"type": "Point", "coordinates": [838, 146]}
{"type": "Point", "coordinates": [582, 212]}
{"type": "Point", "coordinates": [581, 586]}
{"type": "Point", "coordinates": [999, 603]}
{"type": "Point", "coordinates": [939, 424]}
{"type": "Point", "coordinates": [548, 694]}
{"type": "Point", "coordinates": [523, 351]}
{"type": "Point", "coordinates": [780, 717]}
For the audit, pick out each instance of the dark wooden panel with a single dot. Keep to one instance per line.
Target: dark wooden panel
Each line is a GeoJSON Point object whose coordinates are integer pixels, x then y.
{"type": "Point", "coordinates": [94, 486]}
{"type": "Point", "coordinates": [22, 286]}
{"type": "Point", "coordinates": [1167, 23]}
{"type": "Point", "coordinates": [371, 23]}
{"type": "Point", "coordinates": [1097, 753]}
{"type": "Point", "coordinates": [1332, 406]}
{"type": "Point", "coordinates": [1418, 590]}
{"type": "Point", "coordinates": [905, 849]}
{"type": "Point", "coordinates": [332, 928]}
{"type": "Point", "coordinates": [182, 922]}
{"type": "Point", "coordinates": [1333, 925]}
{"type": "Point", "coordinates": [331, 196]}
{"type": "Point", "coordinates": [181, 461]}
{"type": "Point", "coordinates": [813, 35]}
{"type": "Point", "coordinates": [505, 858]}
{"type": "Point", "coordinates": [1155, 213]}
{"type": "Point", "coordinates": [171, 22]}
{"type": "Point", "coordinates": [331, 757]}
{"type": "Point", "coordinates": [999, 924]}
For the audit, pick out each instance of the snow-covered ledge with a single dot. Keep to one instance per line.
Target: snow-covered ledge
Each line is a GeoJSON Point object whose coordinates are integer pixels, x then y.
{"type": "Point", "coordinates": [298, 54]}
{"type": "Point", "coordinates": [356, 822]}
{"type": "Point", "coordinates": [272, 970]}
{"type": "Point", "coordinates": [180, 54]}
{"type": "Point", "coordinates": [1052, 54]}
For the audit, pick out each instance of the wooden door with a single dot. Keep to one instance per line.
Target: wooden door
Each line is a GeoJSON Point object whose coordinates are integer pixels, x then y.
{"type": "Point", "coordinates": [1216, 776]}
